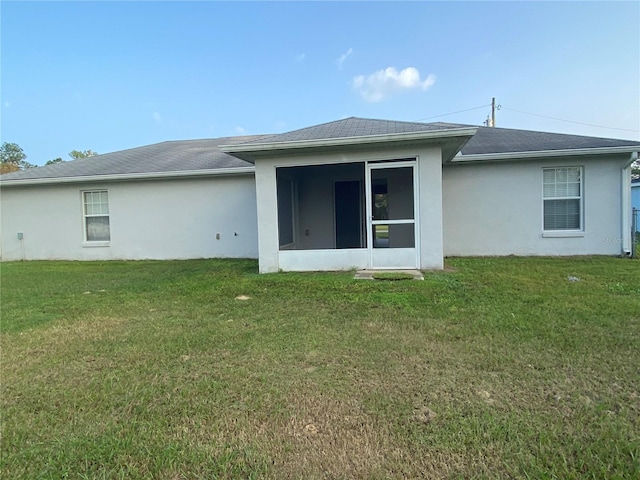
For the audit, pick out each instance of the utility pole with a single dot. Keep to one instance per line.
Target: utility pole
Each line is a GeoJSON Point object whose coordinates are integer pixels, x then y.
{"type": "Point", "coordinates": [493, 112]}
{"type": "Point", "coordinates": [491, 119]}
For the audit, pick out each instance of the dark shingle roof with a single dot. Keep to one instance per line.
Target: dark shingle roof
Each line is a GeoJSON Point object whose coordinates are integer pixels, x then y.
{"type": "Point", "coordinates": [506, 140]}
{"type": "Point", "coordinates": [203, 155]}
{"type": "Point", "coordinates": [165, 157]}
{"type": "Point", "coordinates": [486, 140]}
{"type": "Point", "coordinates": [356, 127]}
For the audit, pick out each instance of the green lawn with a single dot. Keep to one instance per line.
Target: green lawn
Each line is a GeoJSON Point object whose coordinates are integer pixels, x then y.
{"type": "Point", "coordinates": [495, 368]}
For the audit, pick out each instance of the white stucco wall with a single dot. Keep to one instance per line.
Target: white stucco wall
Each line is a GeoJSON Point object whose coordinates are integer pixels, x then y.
{"type": "Point", "coordinates": [430, 200]}
{"type": "Point", "coordinates": [496, 209]}
{"type": "Point", "coordinates": [154, 219]}
{"type": "Point", "coordinates": [478, 209]}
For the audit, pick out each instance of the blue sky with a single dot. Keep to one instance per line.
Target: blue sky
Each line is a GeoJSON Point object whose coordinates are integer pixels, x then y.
{"type": "Point", "coordinates": [107, 76]}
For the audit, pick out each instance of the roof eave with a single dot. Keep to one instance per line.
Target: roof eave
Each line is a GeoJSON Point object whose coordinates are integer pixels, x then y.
{"type": "Point", "coordinates": [272, 147]}
{"type": "Point", "coordinates": [479, 157]}
{"type": "Point", "coordinates": [127, 177]}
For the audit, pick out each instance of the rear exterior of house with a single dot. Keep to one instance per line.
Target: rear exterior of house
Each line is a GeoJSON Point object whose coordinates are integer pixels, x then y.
{"type": "Point", "coordinates": [356, 193]}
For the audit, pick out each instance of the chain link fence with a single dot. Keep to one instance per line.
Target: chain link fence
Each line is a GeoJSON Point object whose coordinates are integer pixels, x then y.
{"type": "Point", "coordinates": [635, 232]}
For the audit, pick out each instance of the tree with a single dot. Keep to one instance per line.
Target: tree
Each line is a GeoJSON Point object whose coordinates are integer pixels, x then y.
{"type": "Point", "coordinates": [635, 169]}
{"type": "Point", "coordinates": [6, 167]}
{"type": "Point", "coordinates": [12, 153]}
{"type": "Point", "coordinates": [76, 154]}
{"type": "Point", "coordinates": [12, 158]}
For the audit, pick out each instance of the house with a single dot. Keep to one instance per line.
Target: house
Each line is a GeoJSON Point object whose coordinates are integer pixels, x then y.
{"type": "Point", "coordinates": [354, 193]}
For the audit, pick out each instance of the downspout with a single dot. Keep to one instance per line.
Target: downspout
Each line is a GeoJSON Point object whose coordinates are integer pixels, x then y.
{"type": "Point", "coordinates": [626, 205]}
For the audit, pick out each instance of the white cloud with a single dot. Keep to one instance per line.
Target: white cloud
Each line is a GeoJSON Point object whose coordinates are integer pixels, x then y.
{"type": "Point", "coordinates": [343, 57]}
{"type": "Point", "coordinates": [300, 57]}
{"type": "Point", "coordinates": [384, 83]}
{"type": "Point", "coordinates": [157, 117]}
{"type": "Point", "coordinates": [240, 130]}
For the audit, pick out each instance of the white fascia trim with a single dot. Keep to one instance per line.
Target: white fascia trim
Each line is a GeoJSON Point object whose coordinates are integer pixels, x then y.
{"type": "Point", "coordinates": [343, 141]}
{"type": "Point", "coordinates": [542, 154]}
{"type": "Point", "coordinates": [129, 176]}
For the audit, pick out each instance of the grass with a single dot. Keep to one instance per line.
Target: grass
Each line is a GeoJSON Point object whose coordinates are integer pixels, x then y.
{"type": "Point", "coordinates": [496, 368]}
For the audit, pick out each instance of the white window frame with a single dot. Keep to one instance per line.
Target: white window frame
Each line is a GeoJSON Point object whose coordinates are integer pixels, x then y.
{"type": "Point", "coordinates": [83, 197]}
{"type": "Point", "coordinates": [568, 232]}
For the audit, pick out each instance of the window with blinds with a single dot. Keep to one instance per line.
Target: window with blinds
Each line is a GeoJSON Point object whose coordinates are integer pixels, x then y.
{"type": "Point", "coordinates": [562, 198]}
{"type": "Point", "coordinates": [96, 216]}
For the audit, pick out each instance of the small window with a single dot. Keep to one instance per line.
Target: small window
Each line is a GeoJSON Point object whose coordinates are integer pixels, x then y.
{"type": "Point", "coordinates": [96, 216]}
{"type": "Point", "coordinates": [562, 198]}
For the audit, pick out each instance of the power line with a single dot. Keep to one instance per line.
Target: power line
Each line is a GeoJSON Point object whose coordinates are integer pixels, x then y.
{"type": "Point", "coordinates": [568, 121]}
{"type": "Point", "coordinates": [499, 107]}
{"type": "Point", "coordinates": [453, 113]}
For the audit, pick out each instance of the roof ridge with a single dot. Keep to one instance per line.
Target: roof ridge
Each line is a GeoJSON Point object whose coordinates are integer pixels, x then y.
{"type": "Point", "coordinates": [321, 124]}
{"type": "Point", "coordinates": [410, 122]}
{"type": "Point", "coordinates": [407, 122]}
{"type": "Point", "coordinates": [266, 136]}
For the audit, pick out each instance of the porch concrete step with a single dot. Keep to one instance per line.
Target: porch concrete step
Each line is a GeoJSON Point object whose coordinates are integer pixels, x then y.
{"type": "Point", "coordinates": [369, 274]}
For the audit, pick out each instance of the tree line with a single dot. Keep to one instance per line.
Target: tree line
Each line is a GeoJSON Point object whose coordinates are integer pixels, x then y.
{"type": "Point", "coordinates": [13, 158]}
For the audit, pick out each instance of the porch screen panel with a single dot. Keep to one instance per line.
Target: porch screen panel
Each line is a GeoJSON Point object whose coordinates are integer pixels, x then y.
{"type": "Point", "coordinates": [392, 194]}
{"type": "Point", "coordinates": [285, 212]}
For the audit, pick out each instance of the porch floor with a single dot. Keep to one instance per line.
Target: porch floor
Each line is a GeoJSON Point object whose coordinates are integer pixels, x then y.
{"type": "Point", "coordinates": [369, 274]}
